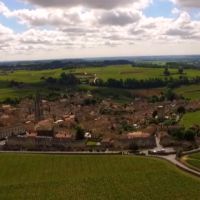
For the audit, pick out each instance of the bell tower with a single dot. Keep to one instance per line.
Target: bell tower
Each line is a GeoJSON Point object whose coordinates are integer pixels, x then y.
{"type": "Point", "coordinates": [38, 108]}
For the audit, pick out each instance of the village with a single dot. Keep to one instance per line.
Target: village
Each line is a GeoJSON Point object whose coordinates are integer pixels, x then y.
{"type": "Point", "coordinates": [79, 122]}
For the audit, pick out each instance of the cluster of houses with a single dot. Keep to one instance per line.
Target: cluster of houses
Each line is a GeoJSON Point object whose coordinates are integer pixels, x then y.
{"type": "Point", "coordinates": [50, 135]}
{"type": "Point", "coordinates": [106, 124]}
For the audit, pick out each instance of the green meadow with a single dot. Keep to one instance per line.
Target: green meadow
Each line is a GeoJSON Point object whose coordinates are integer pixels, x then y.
{"type": "Point", "coordinates": [30, 76]}
{"type": "Point", "coordinates": [190, 119]}
{"type": "Point", "coordinates": [61, 177]}
{"type": "Point", "coordinates": [193, 160]}
{"type": "Point", "coordinates": [139, 73]}
{"type": "Point", "coordinates": [14, 93]}
{"type": "Point", "coordinates": [190, 92]}
{"type": "Point", "coordinates": [116, 72]}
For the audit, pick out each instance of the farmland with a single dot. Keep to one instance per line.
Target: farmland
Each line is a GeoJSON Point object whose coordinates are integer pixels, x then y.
{"type": "Point", "coordinates": [14, 93]}
{"type": "Point", "coordinates": [193, 160]}
{"type": "Point", "coordinates": [190, 92]}
{"type": "Point", "coordinates": [125, 72]}
{"type": "Point", "coordinates": [117, 72]}
{"type": "Point", "coordinates": [190, 119]}
{"type": "Point", "coordinates": [29, 76]}
{"type": "Point", "coordinates": [92, 177]}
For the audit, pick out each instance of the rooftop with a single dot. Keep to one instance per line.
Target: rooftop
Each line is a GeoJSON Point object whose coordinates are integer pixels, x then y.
{"type": "Point", "coordinates": [138, 134]}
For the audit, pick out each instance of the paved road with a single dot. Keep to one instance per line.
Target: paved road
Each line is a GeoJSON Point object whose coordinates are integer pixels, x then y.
{"type": "Point", "coordinates": [192, 151]}
{"type": "Point", "coordinates": [159, 147]}
{"type": "Point", "coordinates": [172, 159]}
{"type": "Point", "coordinates": [66, 152]}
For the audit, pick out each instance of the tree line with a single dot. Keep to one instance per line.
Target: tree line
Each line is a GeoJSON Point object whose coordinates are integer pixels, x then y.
{"type": "Point", "coordinates": [146, 84]}
{"type": "Point", "coordinates": [64, 64]}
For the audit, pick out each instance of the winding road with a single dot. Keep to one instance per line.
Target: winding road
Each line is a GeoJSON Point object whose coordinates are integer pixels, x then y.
{"type": "Point", "coordinates": [172, 159]}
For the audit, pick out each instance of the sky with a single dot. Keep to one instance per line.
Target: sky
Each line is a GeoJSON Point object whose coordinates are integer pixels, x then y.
{"type": "Point", "coordinates": [53, 29]}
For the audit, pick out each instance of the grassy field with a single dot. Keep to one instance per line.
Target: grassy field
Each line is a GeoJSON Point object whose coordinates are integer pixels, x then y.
{"type": "Point", "coordinates": [28, 76]}
{"type": "Point", "coordinates": [190, 119]}
{"type": "Point", "coordinates": [193, 160]}
{"type": "Point", "coordinates": [127, 71]}
{"type": "Point", "coordinates": [46, 177]}
{"type": "Point", "coordinates": [14, 93]}
{"type": "Point", "coordinates": [21, 93]}
{"type": "Point", "coordinates": [117, 72]}
{"type": "Point", "coordinates": [191, 92]}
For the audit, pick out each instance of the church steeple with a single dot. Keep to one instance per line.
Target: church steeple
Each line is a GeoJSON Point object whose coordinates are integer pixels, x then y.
{"type": "Point", "coordinates": [38, 108]}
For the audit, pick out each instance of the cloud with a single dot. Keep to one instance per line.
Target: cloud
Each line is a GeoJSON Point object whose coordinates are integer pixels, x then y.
{"type": "Point", "coordinates": [99, 4]}
{"type": "Point", "coordinates": [6, 37]}
{"type": "Point", "coordinates": [73, 16]}
{"type": "Point", "coordinates": [4, 30]}
{"type": "Point", "coordinates": [188, 3]}
{"type": "Point", "coordinates": [119, 18]}
{"type": "Point", "coordinates": [63, 27]}
{"type": "Point", "coordinates": [42, 17]}
{"type": "Point", "coordinates": [175, 11]}
{"type": "Point", "coordinates": [3, 8]}
{"type": "Point", "coordinates": [178, 32]}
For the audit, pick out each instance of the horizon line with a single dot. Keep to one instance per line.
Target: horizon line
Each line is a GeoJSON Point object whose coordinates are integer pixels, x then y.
{"type": "Point", "coordinates": [98, 57]}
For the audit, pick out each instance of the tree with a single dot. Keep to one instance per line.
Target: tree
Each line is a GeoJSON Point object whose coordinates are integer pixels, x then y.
{"type": "Point", "coordinates": [155, 113]}
{"type": "Point", "coordinates": [51, 80]}
{"type": "Point", "coordinates": [89, 101]}
{"type": "Point", "coordinates": [13, 101]}
{"type": "Point", "coordinates": [190, 135]}
{"type": "Point", "coordinates": [134, 147]}
{"type": "Point", "coordinates": [166, 71]}
{"type": "Point", "coordinates": [181, 110]}
{"type": "Point", "coordinates": [179, 153]}
{"type": "Point", "coordinates": [180, 70]}
{"type": "Point", "coordinates": [178, 133]}
{"type": "Point", "coordinates": [69, 79]}
{"type": "Point", "coordinates": [169, 94]}
{"type": "Point", "coordinates": [80, 133]}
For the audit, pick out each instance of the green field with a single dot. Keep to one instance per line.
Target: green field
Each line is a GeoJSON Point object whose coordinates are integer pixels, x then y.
{"type": "Point", "coordinates": [46, 177]}
{"type": "Point", "coordinates": [190, 92]}
{"type": "Point", "coordinates": [127, 71]}
{"type": "Point", "coordinates": [194, 160]}
{"type": "Point", "coordinates": [117, 72]}
{"type": "Point", "coordinates": [14, 93]}
{"type": "Point", "coordinates": [190, 119]}
{"type": "Point", "coordinates": [29, 76]}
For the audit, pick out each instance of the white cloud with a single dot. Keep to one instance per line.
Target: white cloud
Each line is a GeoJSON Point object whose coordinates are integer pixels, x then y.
{"type": "Point", "coordinates": [3, 8]}
{"type": "Point", "coordinates": [175, 11]}
{"type": "Point", "coordinates": [74, 16]}
{"type": "Point", "coordinates": [42, 17]}
{"type": "Point", "coordinates": [77, 30]}
{"type": "Point", "coordinates": [6, 38]}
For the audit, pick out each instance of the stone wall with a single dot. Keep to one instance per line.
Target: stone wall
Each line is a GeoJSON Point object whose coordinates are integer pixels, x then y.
{"type": "Point", "coordinates": [54, 144]}
{"type": "Point", "coordinates": [10, 131]}
{"type": "Point", "coordinates": [145, 143]}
